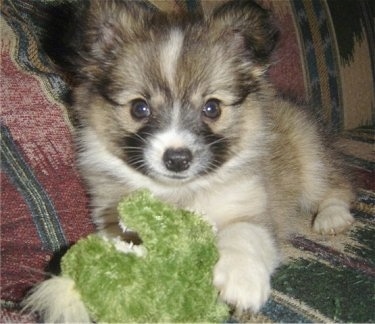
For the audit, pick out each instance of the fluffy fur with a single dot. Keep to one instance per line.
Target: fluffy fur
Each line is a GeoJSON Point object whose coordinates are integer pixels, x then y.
{"type": "Point", "coordinates": [182, 106]}
{"type": "Point", "coordinates": [57, 301]}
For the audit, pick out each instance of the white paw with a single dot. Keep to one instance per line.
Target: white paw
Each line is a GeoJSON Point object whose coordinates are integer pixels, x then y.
{"type": "Point", "coordinates": [333, 220]}
{"type": "Point", "coordinates": [242, 281]}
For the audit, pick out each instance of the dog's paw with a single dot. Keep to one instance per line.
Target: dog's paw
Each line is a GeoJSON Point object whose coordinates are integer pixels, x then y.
{"type": "Point", "coordinates": [332, 220]}
{"type": "Point", "coordinates": [242, 281]}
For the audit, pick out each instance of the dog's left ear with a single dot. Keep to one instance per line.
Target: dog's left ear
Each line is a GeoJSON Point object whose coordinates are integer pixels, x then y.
{"type": "Point", "coordinates": [249, 23]}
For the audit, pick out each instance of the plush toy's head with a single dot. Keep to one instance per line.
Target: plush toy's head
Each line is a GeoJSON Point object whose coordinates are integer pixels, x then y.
{"type": "Point", "coordinates": [171, 282]}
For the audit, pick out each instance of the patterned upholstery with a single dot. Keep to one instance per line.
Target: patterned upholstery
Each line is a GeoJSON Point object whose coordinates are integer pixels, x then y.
{"type": "Point", "coordinates": [335, 52]}
{"type": "Point", "coordinates": [325, 56]}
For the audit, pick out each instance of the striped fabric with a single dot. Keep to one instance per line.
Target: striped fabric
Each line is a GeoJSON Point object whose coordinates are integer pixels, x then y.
{"type": "Point", "coordinates": [44, 207]}
{"type": "Point", "coordinates": [39, 203]}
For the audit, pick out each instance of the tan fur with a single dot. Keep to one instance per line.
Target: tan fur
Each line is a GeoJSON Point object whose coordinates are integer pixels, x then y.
{"type": "Point", "coordinates": [57, 301]}
{"type": "Point", "coordinates": [275, 168]}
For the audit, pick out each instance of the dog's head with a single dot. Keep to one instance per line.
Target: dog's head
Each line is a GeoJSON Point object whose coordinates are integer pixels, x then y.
{"type": "Point", "coordinates": [174, 97]}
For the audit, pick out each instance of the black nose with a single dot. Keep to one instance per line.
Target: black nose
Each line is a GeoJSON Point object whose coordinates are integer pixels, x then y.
{"type": "Point", "coordinates": [177, 160]}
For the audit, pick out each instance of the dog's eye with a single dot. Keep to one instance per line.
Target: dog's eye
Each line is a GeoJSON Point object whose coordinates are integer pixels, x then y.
{"type": "Point", "coordinates": [140, 109]}
{"type": "Point", "coordinates": [212, 109]}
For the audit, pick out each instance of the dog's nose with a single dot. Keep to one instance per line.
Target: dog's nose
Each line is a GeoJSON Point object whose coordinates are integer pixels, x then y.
{"type": "Point", "coordinates": [177, 160]}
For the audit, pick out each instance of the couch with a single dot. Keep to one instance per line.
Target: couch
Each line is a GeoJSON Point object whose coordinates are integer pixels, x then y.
{"type": "Point", "coordinates": [325, 57]}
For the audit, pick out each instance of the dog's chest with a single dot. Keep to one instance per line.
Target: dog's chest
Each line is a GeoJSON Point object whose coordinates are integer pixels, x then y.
{"type": "Point", "coordinates": [223, 202]}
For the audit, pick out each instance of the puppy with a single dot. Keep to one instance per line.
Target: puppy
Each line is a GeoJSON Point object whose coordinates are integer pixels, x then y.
{"type": "Point", "coordinates": [182, 106]}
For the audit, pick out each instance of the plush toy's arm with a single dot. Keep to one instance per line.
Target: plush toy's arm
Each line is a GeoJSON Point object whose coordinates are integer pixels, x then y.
{"type": "Point", "coordinates": [154, 221]}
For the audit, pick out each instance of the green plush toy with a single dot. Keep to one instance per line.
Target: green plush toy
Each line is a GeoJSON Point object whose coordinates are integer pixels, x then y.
{"type": "Point", "coordinates": [167, 279]}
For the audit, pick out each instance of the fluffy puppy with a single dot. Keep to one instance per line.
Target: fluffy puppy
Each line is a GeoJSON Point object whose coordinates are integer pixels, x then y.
{"type": "Point", "coordinates": [182, 106]}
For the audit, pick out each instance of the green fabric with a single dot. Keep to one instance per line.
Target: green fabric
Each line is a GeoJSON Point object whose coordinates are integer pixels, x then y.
{"type": "Point", "coordinates": [326, 288]}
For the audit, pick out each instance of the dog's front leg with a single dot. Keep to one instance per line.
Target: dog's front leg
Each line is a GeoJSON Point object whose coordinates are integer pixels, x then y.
{"type": "Point", "coordinates": [248, 257]}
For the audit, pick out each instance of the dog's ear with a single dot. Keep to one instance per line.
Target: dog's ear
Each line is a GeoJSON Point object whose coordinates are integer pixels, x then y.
{"type": "Point", "coordinates": [109, 23]}
{"type": "Point", "coordinates": [102, 29]}
{"type": "Point", "coordinates": [82, 34]}
{"type": "Point", "coordinates": [249, 25]}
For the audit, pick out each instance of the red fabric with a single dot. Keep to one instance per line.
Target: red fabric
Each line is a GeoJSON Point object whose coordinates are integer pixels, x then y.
{"type": "Point", "coordinates": [41, 133]}
{"type": "Point", "coordinates": [287, 71]}
{"type": "Point", "coordinates": [22, 259]}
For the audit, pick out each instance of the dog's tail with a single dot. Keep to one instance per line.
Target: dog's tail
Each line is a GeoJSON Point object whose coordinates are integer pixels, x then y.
{"type": "Point", "coordinates": [56, 300]}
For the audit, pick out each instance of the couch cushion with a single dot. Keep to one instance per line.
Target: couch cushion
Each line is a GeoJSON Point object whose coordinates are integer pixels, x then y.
{"type": "Point", "coordinates": [44, 206]}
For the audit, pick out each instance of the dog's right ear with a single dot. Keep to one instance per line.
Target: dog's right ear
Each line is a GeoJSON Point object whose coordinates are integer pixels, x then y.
{"type": "Point", "coordinates": [96, 31]}
{"type": "Point", "coordinates": [109, 23]}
